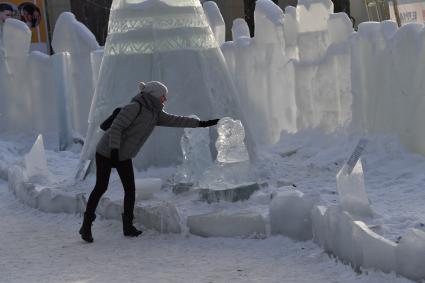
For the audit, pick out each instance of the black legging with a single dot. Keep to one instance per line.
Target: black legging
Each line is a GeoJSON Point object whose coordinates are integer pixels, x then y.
{"type": "Point", "coordinates": [103, 172]}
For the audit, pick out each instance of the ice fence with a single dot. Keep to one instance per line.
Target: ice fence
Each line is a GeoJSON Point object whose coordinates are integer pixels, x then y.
{"type": "Point", "coordinates": [295, 73]}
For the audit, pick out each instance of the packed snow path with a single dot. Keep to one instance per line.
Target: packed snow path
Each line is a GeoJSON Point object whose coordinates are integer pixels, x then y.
{"type": "Point", "coordinates": [42, 247]}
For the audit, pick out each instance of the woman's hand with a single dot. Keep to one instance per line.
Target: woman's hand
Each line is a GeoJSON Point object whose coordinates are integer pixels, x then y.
{"type": "Point", "coordinates": [208, 123]}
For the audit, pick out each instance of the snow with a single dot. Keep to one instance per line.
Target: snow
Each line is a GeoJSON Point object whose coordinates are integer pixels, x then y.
{"type": "Point", "coordinates": [305, 88]}
{"type": "Point", "coordinates": [50, 250]}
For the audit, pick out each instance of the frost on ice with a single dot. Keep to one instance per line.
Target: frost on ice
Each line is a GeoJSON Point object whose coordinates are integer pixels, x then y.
{"type": "Point", "coordinates": [196, 155]}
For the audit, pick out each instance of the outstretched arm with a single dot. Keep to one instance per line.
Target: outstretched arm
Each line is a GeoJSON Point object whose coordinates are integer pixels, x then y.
{"type": "Point", "coordinates": [168, 120]}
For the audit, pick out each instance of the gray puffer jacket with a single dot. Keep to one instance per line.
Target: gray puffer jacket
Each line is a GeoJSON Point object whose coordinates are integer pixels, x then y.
{"type": "Point", "coordinates": [130, 131]}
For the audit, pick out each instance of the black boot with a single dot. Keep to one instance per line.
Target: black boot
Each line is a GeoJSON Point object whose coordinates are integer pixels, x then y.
{"type": "Point", "coordinates": [127, 226]}
{"type": "Point", "coordinates": [85, 230]}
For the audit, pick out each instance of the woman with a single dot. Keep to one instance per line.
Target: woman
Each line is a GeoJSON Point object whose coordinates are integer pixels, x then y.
{"type": "Point", "coordinates": [122, 141]}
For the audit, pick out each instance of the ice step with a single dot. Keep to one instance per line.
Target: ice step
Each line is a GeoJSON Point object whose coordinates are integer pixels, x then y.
{"type": "Point", "coordinates": [227, 224]}
{"type": "Point", "coordinates": [237, 193]}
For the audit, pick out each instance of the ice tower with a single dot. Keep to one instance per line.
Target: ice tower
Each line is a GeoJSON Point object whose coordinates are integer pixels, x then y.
{"type": "Point", "coordinates": [169, 41]}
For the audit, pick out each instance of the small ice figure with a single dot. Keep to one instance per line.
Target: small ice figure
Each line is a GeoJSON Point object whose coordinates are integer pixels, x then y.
{"type": "Point", "coordinates": [351, 190]}
{"type": "Point", "coordinates": [230, 142]}
{"type": "Point", "coordinates": [35, 161]}
{"type": "Point", "coordinates": [232, 167]}
{"type": "Point", "coordinates": [196, 155]}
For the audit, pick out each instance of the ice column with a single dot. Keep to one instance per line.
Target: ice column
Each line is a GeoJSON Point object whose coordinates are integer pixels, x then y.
{"type": "Point", "coordinates": [72, 37]}
{"type": "Point", "coordinates": [35, 161]}
{"type": "Point", "coordinates": [216, 21]}
{"type": "Point", "coordinates": [196, 155]}
{"type": "Point", "coordinates": [239, 28]}
{"type": "Point", "coordinates": [350, 184]}
{"type": "Point", "coordinates": [15, 96]}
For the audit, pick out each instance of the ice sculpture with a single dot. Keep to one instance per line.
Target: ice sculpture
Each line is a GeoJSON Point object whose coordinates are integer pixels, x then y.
{"type": "Point", "coordinates": [196, 155]}
{"type": "Point", "coordinates": [152, 40]}
{"type": "Point", "coordinates": [232, 168]}
{"type": "Point", "coordinates": [230, 142]}
{"type": "Point", "coordinates": [35, 161]}
{"type": "Point", "coordinates": [350, 185]}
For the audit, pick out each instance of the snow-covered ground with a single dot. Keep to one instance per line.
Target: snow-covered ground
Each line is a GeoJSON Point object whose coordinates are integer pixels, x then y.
{"type": "Point", "coordinates": [42, 247]}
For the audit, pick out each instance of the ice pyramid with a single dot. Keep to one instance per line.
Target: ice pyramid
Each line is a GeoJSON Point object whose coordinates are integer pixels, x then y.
{"type": "Point", "coordinates": [169, 41]}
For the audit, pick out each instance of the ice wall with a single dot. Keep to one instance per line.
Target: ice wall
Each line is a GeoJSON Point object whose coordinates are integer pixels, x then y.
{"type": "Point", "coordinates": [153, 40]}
{"type": "Point", "coordinates": [73, 38]}
{"type": "Point", "coordinates": [387, 81]}
{"type": "Point", "coordinates": [15, 93]}
{"type": "Point", "coordinates": [295, 72]}
{"type": "Point", "coordinates": [262, 74]}
{"type": "Point", "coordinates": [39, 90]}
